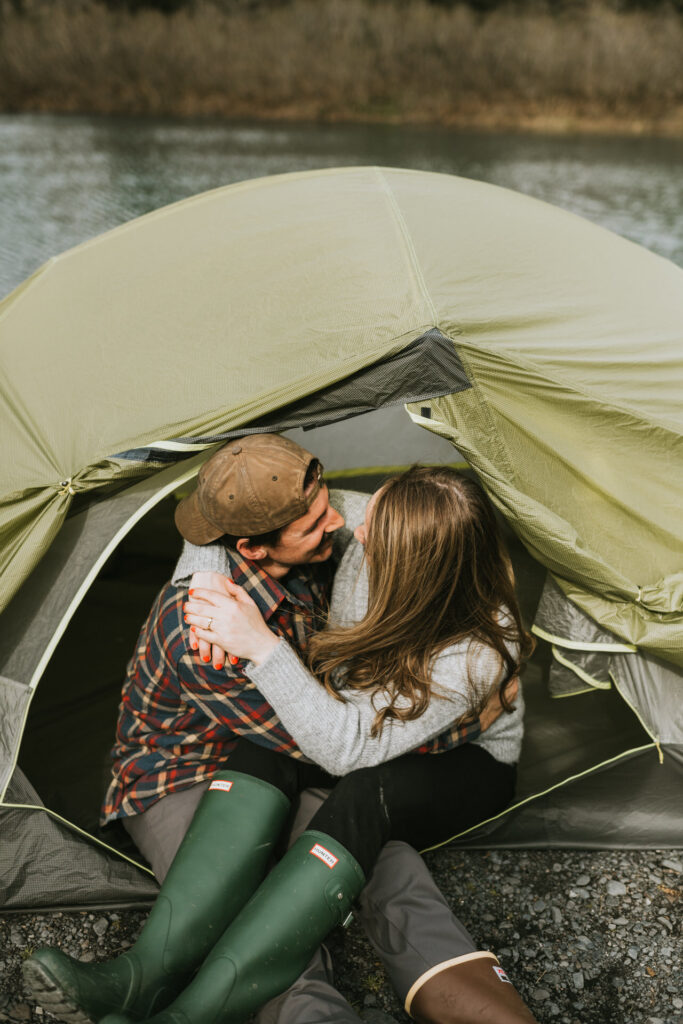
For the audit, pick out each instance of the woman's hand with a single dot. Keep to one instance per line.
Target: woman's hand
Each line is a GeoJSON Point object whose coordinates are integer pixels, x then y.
{"type": "Point", "coordinates": [207, 653]}
{"type": "Point", "coordinates": [228, 618]}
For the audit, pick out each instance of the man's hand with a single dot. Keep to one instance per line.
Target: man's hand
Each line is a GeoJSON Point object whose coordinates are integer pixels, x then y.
{"type": "Point", "coordinates": [207, 652]}
{"type": "Point", "coordinates": [494, 708]}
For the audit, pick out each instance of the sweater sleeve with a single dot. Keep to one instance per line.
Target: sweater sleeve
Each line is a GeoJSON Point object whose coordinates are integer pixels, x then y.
{"type": "Point", "coordinates": [336, 734]}
{"type": "Point", "coordinates": [200, 558]}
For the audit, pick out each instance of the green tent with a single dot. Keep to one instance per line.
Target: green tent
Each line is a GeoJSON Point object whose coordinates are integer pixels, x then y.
{"type": "Point", "coordinates": [547, 350]}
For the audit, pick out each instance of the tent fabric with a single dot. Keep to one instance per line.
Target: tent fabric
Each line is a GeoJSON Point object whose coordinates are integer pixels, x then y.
{"type": "Point", "coordinates": [570, 336]}
{"type": "Point", "coordinates": [301, 299]}
{"type": "Point", "coordinates": [426, 368]}
{"type": "Point", "coordinates": [582, 650]}
{"type": "Point", "coordinates": [54, 866]}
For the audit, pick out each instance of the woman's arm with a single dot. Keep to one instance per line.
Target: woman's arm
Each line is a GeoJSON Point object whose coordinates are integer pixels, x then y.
{"type": "Point", "coordinates": [336, 735]}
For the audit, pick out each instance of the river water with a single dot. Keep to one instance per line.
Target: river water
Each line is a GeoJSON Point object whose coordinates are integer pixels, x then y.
{"type": "Point", "coordinates": [65, 179]}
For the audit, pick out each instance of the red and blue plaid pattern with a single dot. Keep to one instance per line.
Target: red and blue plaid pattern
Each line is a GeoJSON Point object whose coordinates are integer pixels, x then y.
{"type": "Point", "coordinates": [179, 718]}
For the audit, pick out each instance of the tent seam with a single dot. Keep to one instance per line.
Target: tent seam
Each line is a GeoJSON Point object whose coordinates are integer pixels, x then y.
{"type": "Point", "coordinates": [403, 227]}
{"type": "Point", "coordinates": [579, 645]}
{"type": "Point", "coordinates": [597, 684]}
{"type": "Point", "coordinates": [536, 796]}
{"type": "Point", "coordinates": [79, 830]}
{"type": "Point", "coordinates": [638, 715]}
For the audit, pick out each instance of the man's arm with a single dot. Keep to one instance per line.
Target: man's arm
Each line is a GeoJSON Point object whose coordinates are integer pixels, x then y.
{"type": "Point", "coordinates": [468, 730]}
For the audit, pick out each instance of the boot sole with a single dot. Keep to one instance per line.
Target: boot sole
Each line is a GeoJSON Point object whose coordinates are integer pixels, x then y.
{"type": "Point", "coordinates": [47, 993]}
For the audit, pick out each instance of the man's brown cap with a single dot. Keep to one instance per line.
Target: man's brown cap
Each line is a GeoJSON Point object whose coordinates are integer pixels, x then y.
{"type": "Point", "coordinates": [248, 487]}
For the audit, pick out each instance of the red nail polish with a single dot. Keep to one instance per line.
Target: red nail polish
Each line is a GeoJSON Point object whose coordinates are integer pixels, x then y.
{"type": "Point", "coordinates": [193, 629]}
{"type": "Point", "coordinates": [195, 647]}
{"type": "Point", "coordinates": [233, 659]}
{"type": "Point", "coordinates": [185, 617]}
{"type": "Point", "coordinates": [218, 667]}
{"type": "Point", "coordinates": [207, 658]}
{"type": "Point", "coordinates": [190, 591]}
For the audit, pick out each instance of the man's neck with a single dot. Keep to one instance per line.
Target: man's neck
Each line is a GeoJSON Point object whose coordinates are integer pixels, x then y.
{"type": "Point", "coordinates": [275, 569]}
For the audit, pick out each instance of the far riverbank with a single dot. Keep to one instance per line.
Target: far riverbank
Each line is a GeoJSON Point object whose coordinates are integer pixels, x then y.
{"type": "Point", "coordinates": [589, 69]}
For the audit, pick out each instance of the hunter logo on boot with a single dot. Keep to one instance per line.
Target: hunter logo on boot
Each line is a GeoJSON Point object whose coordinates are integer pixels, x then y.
{"type": "Point", "coordinates": [502, 976]}
{"type": "Point", "coordinates": [324, 855]}
{"type": "Point", "coordinates": [221, 784]}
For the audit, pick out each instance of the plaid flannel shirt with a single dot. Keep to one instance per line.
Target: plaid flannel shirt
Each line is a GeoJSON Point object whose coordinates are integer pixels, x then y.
{"type": "Point", "coordinates": [179, 718]}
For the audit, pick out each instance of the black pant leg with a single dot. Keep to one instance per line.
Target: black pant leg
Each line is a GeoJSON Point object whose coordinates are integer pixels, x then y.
{"type": "Point", "coordinates": [288, 774]}
{"type": "Point", "coordinates": [422, 799]}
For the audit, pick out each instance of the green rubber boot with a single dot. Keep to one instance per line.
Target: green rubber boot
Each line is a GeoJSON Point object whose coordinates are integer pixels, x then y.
{"type": "Point", "coordinates": [271, 941]}
{"type": "Point", "coordinates": [219, 864]}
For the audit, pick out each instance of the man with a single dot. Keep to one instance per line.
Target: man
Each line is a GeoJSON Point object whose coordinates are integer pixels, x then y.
{"type": "Point", "coordinates": [264, 499]}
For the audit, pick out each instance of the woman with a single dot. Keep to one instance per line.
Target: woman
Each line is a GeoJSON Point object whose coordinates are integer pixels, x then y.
{"type": "Point", "coordinates": [418, 641]}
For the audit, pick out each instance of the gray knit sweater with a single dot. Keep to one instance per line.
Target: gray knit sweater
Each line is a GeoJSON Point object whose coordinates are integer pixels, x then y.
{"type": "Point", "coordinates": [336, 735]}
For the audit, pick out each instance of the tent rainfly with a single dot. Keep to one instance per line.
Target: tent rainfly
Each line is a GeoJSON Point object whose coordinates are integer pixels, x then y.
{"type": "Point", "coordinates": [546, 349]}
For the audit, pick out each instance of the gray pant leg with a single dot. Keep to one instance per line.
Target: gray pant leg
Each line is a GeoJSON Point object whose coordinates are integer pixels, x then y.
{"type": "Point", "coordinates": [159, 831]}
{"type": "Point", "coordinates": [312, 999]}
{"type": "Point", "coordinates": [407, 919]}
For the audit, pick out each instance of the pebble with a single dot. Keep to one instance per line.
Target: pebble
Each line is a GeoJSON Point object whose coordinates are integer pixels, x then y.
{"type": "Point", "coordinates": [673, 865]}
{"type": "Point", "coordinates": [561, 954]}
{"type": "Point", "coordinates": [21, 1011]}
{"type": "Point", "coordinates": [616, 888]}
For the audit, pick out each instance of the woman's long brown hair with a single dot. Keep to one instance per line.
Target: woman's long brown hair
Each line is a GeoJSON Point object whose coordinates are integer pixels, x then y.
{"type": "Point", "coordinates": [438, 573]}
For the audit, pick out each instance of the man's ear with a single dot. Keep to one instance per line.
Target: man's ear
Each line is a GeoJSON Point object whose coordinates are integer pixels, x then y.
{"type": "Point", "coordinates": [256, 552]}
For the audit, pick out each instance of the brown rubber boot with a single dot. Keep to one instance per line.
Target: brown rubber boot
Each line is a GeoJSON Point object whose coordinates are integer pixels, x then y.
{"type": "Point", "coordinates": [473, 989]}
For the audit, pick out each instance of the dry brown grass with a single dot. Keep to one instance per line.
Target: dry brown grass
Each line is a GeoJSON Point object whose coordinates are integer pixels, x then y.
{"type": "Point", "coordinates": [345, 59]}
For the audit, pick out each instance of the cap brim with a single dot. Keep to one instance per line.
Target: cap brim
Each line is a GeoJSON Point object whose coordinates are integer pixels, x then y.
{"type": "Point", "coordinates": [192, 525]}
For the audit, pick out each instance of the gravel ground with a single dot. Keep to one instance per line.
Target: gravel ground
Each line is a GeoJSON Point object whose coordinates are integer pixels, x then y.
{"type": "Point", "coordinates": [587, 937]}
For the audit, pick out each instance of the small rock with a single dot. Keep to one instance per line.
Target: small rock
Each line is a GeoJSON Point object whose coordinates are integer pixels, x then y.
{"type": "Point", "coordinates": [87, 957]}
{"type": "Point", "coordinates": [21, 1011]}
{"type": "Point", "coordinates": [584, 941]}
{"type": "Point", "coordinates": [582, 894]}
{"type": "Point", "coordinates": [557, 915]}
{"type": "Point", "coordinates": [100, 926]}
{"type": "Point", "coordinates": [539, 905]}
{"type": "Point", "coordinates": [621, 921]}
{"type": "Point", "coordinates": [539, 994]}
{"type": "Point", "coordinates": [583, 880]}
{"type": "Point", "coordinates": [678, 1003]}
{"type": "Point", "coordinates": [15, 937]}
{"type": "Point", "coordinates": [633, 952]}
{"type": "Point", "coordinates": [673, 865]}
{"type": "Point", "coordinates": [616, 888]}
{"type": "Point", "coordinates": [577, 978]}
